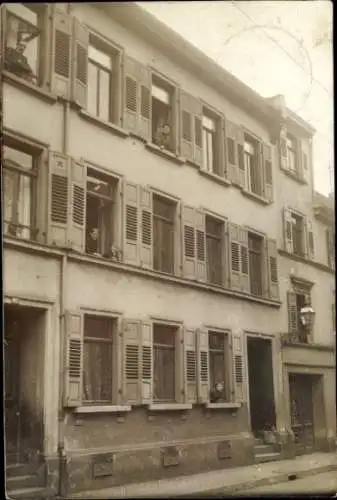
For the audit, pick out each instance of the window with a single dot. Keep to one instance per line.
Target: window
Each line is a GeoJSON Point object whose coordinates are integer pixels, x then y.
{"type": "Point", "coordinates": [100, 213]}
{"type": "Point", "coordinates": [163, 234]}
{"type": "Point", "coordinates": [255, 247]}
{"type": "Point", "coordinates": [102, 83]}
{"type": "Point", "coordinates": [217, 347]}
{"type": "Point", "coordinates": [209, 126]}
{"type": "Point", "coordinates": [301, 329]}
{"type": "Point", "coordinates": [162, 114]}
{"type": "Point", "coordinates": [23, 42]}
{"type": "Point", "coordinates": [292, 153]}
{"type": "Point", "coordinates": [330, 242]}
{"type": "Point", "coordinates": [298, 299]}
{"type": "Point", "coordinates": [252, 166]}
{"type": "Point", "coordinates": [19, 188]}
{"type": "Point", "coordinates": [298, 234]}
{"type": "Point", "coordinates": [214, 252]}
{"type": "Point", "coordinates": [98, 358]}
{"type": "Point", "coordinates": [164, 363]}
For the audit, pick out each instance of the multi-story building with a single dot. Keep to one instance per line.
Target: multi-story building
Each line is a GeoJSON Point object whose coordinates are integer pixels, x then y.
{"type": "Point", "coordinates": [160, 239]}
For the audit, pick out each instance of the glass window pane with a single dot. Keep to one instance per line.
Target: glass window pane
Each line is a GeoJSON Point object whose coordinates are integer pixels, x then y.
{"type": "Point", "coordinates": [160, 94]}
{"type": "Point", "coordinates": [15, 158]}
{"type": "Point", "coordinates": [97, 372]}
{"type": "Point", "coordinates": [10, 182]}
{"type": "Point", "coordinates": [208, 123]}
{"type": "Point", "coordinates": [210, 150]}
{"type": "Point", "coordinates": [92, 89]}
{"type": "Point", "coordinates": [23, 11]}
{"type": "Point", "coordinates": [24, 205]}
{"type": "Point", "coordinates": [100, 57]}
{"type": "Point", "coordinates": [104, 95]}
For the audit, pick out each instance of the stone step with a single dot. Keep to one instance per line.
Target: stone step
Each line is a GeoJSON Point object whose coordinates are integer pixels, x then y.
{"type": "Point", "coordinates": [260, 449]}
{"type": "Point", "coordinates": [30, 493]}
{"type": "Point", "coordinates": [267, 457]}
{"type": "Point", "coordinates": [23, 481]}
{"type": "Point", "coordinates": [258, 441]}
{"type": "Point", "coordinates": [18, 469]}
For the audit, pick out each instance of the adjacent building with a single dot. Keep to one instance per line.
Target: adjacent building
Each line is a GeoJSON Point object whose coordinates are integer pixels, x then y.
{"type": "Point", "coordinates": [162, 238]}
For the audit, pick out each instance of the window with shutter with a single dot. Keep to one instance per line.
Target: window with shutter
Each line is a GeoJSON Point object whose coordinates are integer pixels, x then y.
{"type": "Point", "coordinates": [163, 113]}
{"type": "Point", "coordinates": [190, 141]}
{"type": "Point", "coordinates": [59, 199]}
{"type": "Point", "coordinates": [62, 34]}
{"type": "Point", "coordinates": [218, 366]}
{"type": "Point", "coordinates": [211, 143]}
{"type": "Point", "coordinates": [214, 250]}
{"type": "Point", "coordinates": [255, 246]}
{"type": "Point", "coordinates": [252, 165]}
{"type": "Point", "coordinates": [80, 42]}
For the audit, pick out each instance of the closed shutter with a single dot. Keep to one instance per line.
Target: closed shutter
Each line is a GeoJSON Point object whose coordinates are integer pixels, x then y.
{"type": "Point", "coordinates": [190, 366]}
{"type": "Point", "coordinates": [292, 312]}
{"type": "Point", "coordinates": [59, 172]}
{"type": "Point", "coordinates": [131, 362]}
{"type": "Point", "coordinates": [310, 244]}
{"type": "Point", "coordinates": [61, 53]}
{"type": "Point", "coordinates": [147, 362]}
{"type": "Point", "coordinates": [189, 241]}
{"type": "Point", "coordinates": [240, 140]}
{"type": "Point", "coordinates": [201, 245]}
{"type": "Point", "coordinates": [80, 63]}
{"type": "Point", "coordinates": [73, 359]}
{"type": "Point", "coordinates": [274, 292]}
{"type": "Point", "coordinates": [232, 153]}
{"type": "Point", "coordinates": [131, 223]}
{"type": "Point", "coordinates": [243, 238]}
{"type": "Point", "coordinates": [283, 150]}
{"type": "Point", "coordinates": [235, 257]}
{"type": "Point", "coordinates": [190, 113]}
{"type": "Point", "coordinates": [146, 243]}
{"type": "Point", "coordinates": [202, 365]}
{"type": "Point", "coordinates": [77, 209]}
{"type": "Point", "coordinates": [238, 368]}
{"type": "Point", "coordinates": [288, 230]}
{"type": "Point", "coordinates": [268, 172]}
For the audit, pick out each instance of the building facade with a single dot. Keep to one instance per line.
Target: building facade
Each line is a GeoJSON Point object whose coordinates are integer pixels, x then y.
{"type": "Point", "coordinates": [163, 219]}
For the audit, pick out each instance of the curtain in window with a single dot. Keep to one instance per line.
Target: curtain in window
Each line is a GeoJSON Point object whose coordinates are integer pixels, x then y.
{"type": "Point", "coordinates": [163, 379]}
{"type": "Point", "coordinates": [97, 372]}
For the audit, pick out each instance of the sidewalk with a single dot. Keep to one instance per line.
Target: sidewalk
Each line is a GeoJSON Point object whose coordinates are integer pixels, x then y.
{"type": "Point", "coordinates": [227, 481]}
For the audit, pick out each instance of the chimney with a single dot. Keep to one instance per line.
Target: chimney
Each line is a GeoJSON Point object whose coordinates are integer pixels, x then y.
{"type": "Point", "coordinates": [279, 104]}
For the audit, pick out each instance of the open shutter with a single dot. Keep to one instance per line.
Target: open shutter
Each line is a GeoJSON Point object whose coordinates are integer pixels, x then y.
{"type": "Point", "coordinates": [232, 153]}
{"type": "Point", "coordinates": [303, 162]}
{"type": "Point", "coordinates": [292, 312]}
{"type": "Point", "coordinates": [310, 244]}
{"type": "Point", "coordinates": [224, 160]}
{"type": "Point", "coordinates": [243, 238]}
{"type": "Point", "coordinates": [147, 360]}
{"type": "Point", "coordinates": [288, 230]}
{"type": "Point", "coordinates": [146, 243]}
{"type": "Point", "coordinates": [225, 255]}
{"type": "Point", "coordinates": [131, 224]}
{"type": "Point", "coordinates": [268, 172]}
{"type": "Point", "coordinates": [131, 99]}
{"type": "Point", "coordinates": [77, 209]}
{"type": "Point", "coordinates": [189, 241]}
{"type": "Point", "coordinates": [73, 365]}
{"type": "Point", "coordinates": [190, 377]}
{"type": "Point", "coordinates": [61, 53]}
{"type": "Point", "coordinates": [238, 368]}
{"type": "Point", "coordinates": [131, 362]}
{"type": "Point", "coordinates": [274, 292]}
{"type": "Point", "coordinates": [235, 256]}
{"type": "Point", "coordinates": [240, 140]}
{"type": "Point", "coordinates": [202, 365]}
{"type": "Point", "coordinates": [283, 150]}
{"type": "Point", "coordinates": [201, 245]}
{"type": "Point", "coordinates": [80, 63]}
{"type": "Point", "coordinates": [197, 152]}
{"type": "Point", "coordinates": [191, 116]}
{"type": "Point", "coordinates": [145, 111]}
{"type": "Point", "coordinates": [59, 172]}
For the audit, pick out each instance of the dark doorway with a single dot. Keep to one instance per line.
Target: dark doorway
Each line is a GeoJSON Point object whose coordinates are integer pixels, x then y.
{"type": "Point", "coordinates": [261, 386]}
{"type": "Point", "coordinates": [301, 408]}
{"type": "Point", "coordinates": [24, 349]}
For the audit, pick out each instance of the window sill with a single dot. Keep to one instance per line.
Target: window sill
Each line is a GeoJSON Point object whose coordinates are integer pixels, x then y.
{"type": "Point", "coordinates": [255, 197]}
{"type": "Point", "coordinates": [32, 89]}
{"type": "Point", "coordinates": [169, 406]}
{"type": "Point", "coordinates": [102, 409]}
{"type": "Point", "coordinates": [215, 406]}
{"type": "Point", "coordinates": [294, 176]}
{"type": "Point", "coordinates": [215, 177]}
{"type": "Point", "coordinates": [165, 153]}
{"type": "Point", "coordinates": [101, 123]}
{"type": "Point", "coordinates": [313, 263]}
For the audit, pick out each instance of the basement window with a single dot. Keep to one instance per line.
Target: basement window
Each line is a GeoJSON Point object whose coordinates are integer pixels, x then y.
{"type": "Point", "coordinates": [162, 114]}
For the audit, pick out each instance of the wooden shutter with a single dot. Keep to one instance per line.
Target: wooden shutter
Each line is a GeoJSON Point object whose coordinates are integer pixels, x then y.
{"type": "Point", "coordinates": [274, 292]}
{"type": "Point", "coordinates": [288, 230]}
{"type": "Point", "coordinates": [190, 122]}
{"type": "Point", "coordinates": [232, 153]}
{"type": "Point", "coordinates": [131, 223]}
{"type": "Point", "coordinates": [243, 238]}
{"type": "Point", "coordinates": [59, 173]}
{"type": "Point", "coordinates": [202, 365]}
{"type": "Point", "coordinates": [77, 208]}
{"type": "Point", "coordinates": [145, 104]}
{"type": "Point", "coordinates": [190, 368]}
{"type": "Point", "coordinates": [283, 150]}
{"type": "Point", "coordinates": [240, 140]}
{"type": "Point", "coordinates": [197, 151]}
{"type": "Point", "coordinates": [180, 386]}
{"type": "Point", "coordinates": [73, 363]}
{"type": "Point", "coordinates": [310, 244]}
{"type": "Point", "coordinates": [224, 160]}
{"type": "Point", "coordinates": [330, 240]}
{"type": "Point", "coordinates": [333, 307]}
{"type": "Point", "coordinates": [225, 255]}
{"type": "Point", "coordinates": [200, 245]}
{"type": "Point", "coordinates": [61, 53]}
{"type": "Point", "coordinates": [147, 361]}
{"type": "Point", "coordinates": [146, 243]}
{"type": "Point", "coordinates": [80, 63]}
{"type": "Point", "coordinates": [235, 256]}
{"type": "Point", "coordinates": [189, 241]}
{"type": "Point", "coordinates": [303, 162]}
{"type": "Point", "coordinates": [292, 312]}
{"type": "Point", "coordinates": [238, 368]}
{"type": "Point", "coordinates": [268, 172]}
{"type": "Point", "coordinates": [131, 362]}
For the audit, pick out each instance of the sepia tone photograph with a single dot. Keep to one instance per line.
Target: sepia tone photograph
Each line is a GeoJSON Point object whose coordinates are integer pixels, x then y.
{"type": "Point", "coordinates": [169, 309]}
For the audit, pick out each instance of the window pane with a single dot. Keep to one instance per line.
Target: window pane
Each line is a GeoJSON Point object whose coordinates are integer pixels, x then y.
{"type": "Point", "coordinates": [100, 57]}
{"type": "Point", "coordinates": [10, 183]}
{"type": "Point", "coordinates": [24, 206]}
{"type": "Point", "coordinates": [160, 94]}
{"type": "Point", "coordinates": [208, 123]}
{"type": "Point", "coordinates": [97, 372]}
{"type": "Point", "coordinates": [98, 327]}
{"type": "Point", "coordinates": [16, 158]}
{"type": "Point", "coordinates": [104, 95]}
{"type": "Point", "coordinates": [210, 151]}
{"type": "Point", "coordinates": [204, 149]}
{"type": "Point", "coordinates": [92, 89]}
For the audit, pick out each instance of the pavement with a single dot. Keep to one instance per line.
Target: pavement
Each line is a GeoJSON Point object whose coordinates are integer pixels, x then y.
{"type": "Point", "coordinates": [224, 481]}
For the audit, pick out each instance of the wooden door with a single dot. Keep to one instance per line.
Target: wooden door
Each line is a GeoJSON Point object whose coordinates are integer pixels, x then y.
{"type": "Point", "coordinates": [301, 404]}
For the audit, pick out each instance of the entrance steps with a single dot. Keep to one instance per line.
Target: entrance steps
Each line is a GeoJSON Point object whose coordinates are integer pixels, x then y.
{"type": "Point", "coordinates": [265, 452]}
{"type": "Point", "coordinates": [24, 480]}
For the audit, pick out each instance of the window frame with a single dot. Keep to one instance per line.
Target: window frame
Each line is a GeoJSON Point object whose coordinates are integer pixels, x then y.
{"type": "Point", "coordinates": [169, 201]}
{"type": "Point", "coordinates": [219, 220]}
{"type": "Point", "coordinates": [255, 163]}
{"type": "Point", "coordinates": [297, 215]}
{"type": "Point", "coordinates": [256, 234]}
{"type": "Point", "coordinates": [292, 151]}
{"type": "Point", "coordinates": [229, 382]}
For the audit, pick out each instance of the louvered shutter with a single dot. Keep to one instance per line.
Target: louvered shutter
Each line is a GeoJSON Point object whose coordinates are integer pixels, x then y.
{"type": "Point", "coordinates": [235, 257]}
{"type": "Point", "coordinates": [77, 208]}
{"type": "Point", "coordinates": [202, 365]}
{"type": "Point", "coordinates": [303, 162]}
{"type": "Point", "coordinates": [292, 312]}
{"type": "Point", "coordinates": [190, 116]}
{"type": "Point", "coordinates": [73, 362]}
{"type": "Point", "coordinates": [59, 173]}
{"type": "Point", "coordinates": [243, 238]}
{"type": "Point", "coordinates": [225, 255]}
{"type": "Point", "coordinates": [147, 361]}
{"type": "Point", "coordinates": [80, 63]}
{"type": "Point", "coordinates": [190, 368]}
{"type": "Point", "coordinates": [268, 171]}
{"type": "Point", "coordinates": [201, 245]}
{"type": "Point", "coordinates": [131, 362]}
{"type": "Point", "coordinates": [283, 149]}
{"type": "Point", "coordinates": [61, 53]}
{"type": "Point", "coordinates": [238, 368]}
{"type": "Point", "coordinates": [197, 151]}
{"type": "Point", "coordinates": [146, 243]}
{"type": "Point", "coordinates": [131, 99]}
{"type": "Point", "coordinates": [240, 140]}
{"type": "Point", "coordinates": [180, 395]}
{"type": "Point", "coordinates": [310, 244]}
{"type": "Point", "coordinates": [189, 241]}
{"type": "Point", "coordinates": [145, 111]}
{"type": "Point", "coordinates": [131, 223]}
{"type": "Point", "coordinates": [288, 230]}
{"type": "Point", "coordinates": [274, 292]}
{"type": "Point", "coordinates": [232, 153]}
